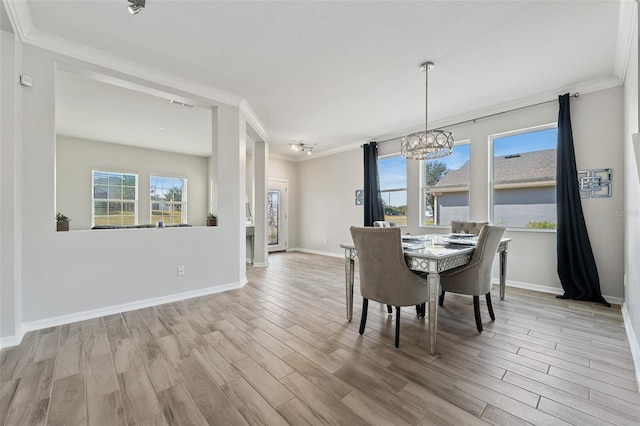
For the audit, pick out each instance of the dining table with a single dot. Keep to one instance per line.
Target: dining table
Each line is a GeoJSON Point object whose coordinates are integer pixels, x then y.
{"type": "Point", "coordinates": [430, 254]}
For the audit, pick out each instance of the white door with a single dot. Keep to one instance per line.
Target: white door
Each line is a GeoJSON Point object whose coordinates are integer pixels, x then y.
{"type": "Point", "coordinates": [277, 215]}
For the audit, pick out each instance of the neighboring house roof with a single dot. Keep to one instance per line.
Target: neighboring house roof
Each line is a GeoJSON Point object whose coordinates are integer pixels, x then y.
{"type": "Point", "coordinates": [519, 170]}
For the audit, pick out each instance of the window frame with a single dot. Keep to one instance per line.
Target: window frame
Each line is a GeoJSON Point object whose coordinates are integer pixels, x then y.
{"type": "Point", "coordinates": [491, 187]}
{"type": "Point", "coordinates": [183, 202]}
{"type": "Point", "coordinates": [108, 200]}
{"type": "Point", "coordinates": [423, 187]}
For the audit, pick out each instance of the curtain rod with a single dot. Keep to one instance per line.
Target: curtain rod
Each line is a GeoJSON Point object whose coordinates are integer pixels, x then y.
{"type": "Point", "coordinates": [575, 95]}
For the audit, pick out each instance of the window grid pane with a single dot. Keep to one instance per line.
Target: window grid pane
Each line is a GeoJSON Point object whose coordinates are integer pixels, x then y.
{"type": "Point", "coordinates": [168, 201]}
{"type": "Point", "coordinates": [115, 201]}
{"type": "Point", "coordinates": [446, 187]}
{"type": "Point", "coordinates": [393, 188]}
{"type": "Point", "coordinates": [524, 179]}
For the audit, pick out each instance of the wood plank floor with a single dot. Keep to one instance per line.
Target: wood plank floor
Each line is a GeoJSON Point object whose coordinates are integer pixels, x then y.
{"type": "Point", "coordinates": [280, 351]}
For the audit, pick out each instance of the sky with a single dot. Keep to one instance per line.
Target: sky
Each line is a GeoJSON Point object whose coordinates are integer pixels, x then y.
{"type": "Point", "coordinates": [393, 170]}
{"type": "Point", "coordinates": [526, 142]}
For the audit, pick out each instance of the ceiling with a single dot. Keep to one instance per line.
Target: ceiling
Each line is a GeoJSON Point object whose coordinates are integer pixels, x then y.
{"type": "Point", "coordinates": [89, 108]}
{"type": "Point", "coordinates": [337, 74]}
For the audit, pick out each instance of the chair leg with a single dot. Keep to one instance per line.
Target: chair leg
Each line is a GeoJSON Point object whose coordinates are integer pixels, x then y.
{"type": "Point", "coordinates": [397, 326]}
{"type": "Point", "coordinates": [490, 307]}
{"type": "Point", "coordinates": [476, 310]}
{"type": "Point", "coordinates": [389, 310]}
{"type": "Point", "coordinates": [363, 318]}
{"type": "Point", "coordinates": [423, 309]}
{"type": "Point", "coordinates": [441, 298]}
{"type": "Point", "coordinates": [419, 310]}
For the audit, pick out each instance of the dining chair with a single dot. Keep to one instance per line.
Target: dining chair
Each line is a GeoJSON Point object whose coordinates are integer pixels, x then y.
{"type": "Point", "coordinates": [384, 224]}
{"type": "Point", "coordinates": [458, 227]}
{"type": "Point", "coordinates": [474, 278]}
{"type": "Point", "coordinates": [384, 274]}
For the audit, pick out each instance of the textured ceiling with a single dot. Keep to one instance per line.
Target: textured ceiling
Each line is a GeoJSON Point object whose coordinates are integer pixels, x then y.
{"type": "Point", "coordinates": [338, 73]}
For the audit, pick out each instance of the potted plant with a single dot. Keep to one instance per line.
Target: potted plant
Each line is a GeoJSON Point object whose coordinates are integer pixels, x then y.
{"type": "Point", "coordinates": [212, 220]}
{"type": "Point", "coordinates": [62, 222]}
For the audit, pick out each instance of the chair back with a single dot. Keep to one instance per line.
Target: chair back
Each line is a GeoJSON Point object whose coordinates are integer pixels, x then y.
{"type": "Point", "coordinates": [473, 228]}
{"type": "Point", "coordinates": [384, 274]}
{"type": "Point", "coordinates": [482, 258]}
{"type": "Point", "coordinates": [384, 224]}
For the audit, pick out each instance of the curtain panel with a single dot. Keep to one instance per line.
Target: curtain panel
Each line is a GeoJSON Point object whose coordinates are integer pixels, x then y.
{"type": "Point", "coordinates": [373, 209]}
{"type": "Point", "coordinates": [576, 265]}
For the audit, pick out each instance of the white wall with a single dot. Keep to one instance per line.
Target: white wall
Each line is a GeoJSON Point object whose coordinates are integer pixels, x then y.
{"type": "Point", "coordinates": [327, 202]}
{"type": "Point", "coordinates": [76, 158]}
{"type": "Point", "coordinates": [68, 275]}
{"type": "Point", "coordinates": [10, 188]}
{"type": "Point", "coordinates": [280, 169]}
{"type": "Point", "coordinates": [632, 199]}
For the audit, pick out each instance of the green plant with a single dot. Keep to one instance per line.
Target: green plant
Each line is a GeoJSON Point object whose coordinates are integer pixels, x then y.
{"type": "Point", "coordinates": [61, 218]}
{"type": "Point", "coordinates": [211, 216]}
{"type": "Point", "coordinates": [542, 225]}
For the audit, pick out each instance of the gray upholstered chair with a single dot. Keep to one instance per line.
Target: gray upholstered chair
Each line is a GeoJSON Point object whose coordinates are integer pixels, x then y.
{"type": "Point", "coordinates": [384, 224]}
{"type": "Point", "coordinates": [458, 227]}
{"type": "Point", "coordinates": [384, 274]}
{"type": "Point", "coordinates": [474, 278]}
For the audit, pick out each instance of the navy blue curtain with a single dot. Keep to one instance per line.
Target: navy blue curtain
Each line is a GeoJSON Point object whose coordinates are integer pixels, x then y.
{"type": "Point", "coordinates": [373, 209]}
{"type": "Point", "coordinates": [576, 265]}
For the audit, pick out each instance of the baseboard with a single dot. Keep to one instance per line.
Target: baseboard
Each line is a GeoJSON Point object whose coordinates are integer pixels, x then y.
{"type": "Point", "coordinates": [552, 290]}
{"type": "Point", "coordinates": [633, 341]}
{"type": "Point", "coordinates": [530, 286]}
{"type": "Point", "coordinates": [260, 264]}
{"type": "Point", "coordinates": [7, 342]}
{"type": "Point", "coordinates": [321, 253]}
{"type": "Point", "coordinates": [116, 309]}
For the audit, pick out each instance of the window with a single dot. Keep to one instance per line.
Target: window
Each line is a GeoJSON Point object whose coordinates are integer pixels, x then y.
{"type": "Point", "coordinates": [115, 198]}
{"type": "Point", "coordinates": [445, 183]}
{"type": "Point", "coordinates": [393, 188]}
{"type": "Point", "coordinates": [524, 178]}
{"type": "Point", "coordinates": [168, 200]}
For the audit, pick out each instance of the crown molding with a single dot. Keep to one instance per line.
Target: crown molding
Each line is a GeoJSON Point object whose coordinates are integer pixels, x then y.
{"type": "Point", "coordinates": [19, 17]}
{"type": "Point", "coordinates": [338, 150]}
{"type": "Point", "coordinates": [21, 21]}
{"type": "Point", "coordinates": [582, 88]}
{"type": "Point", "coordinates": [93, 56]}
{"type": "Point", "coordinates": [254, 121]}
{"type": "Point", "coordinates": [283, 157]}
{"type": "Point", "coordinates": [626, 21]}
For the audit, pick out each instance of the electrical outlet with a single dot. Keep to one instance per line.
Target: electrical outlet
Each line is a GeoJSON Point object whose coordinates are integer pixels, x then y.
{"type": "Point", "coordinates": [180, 271]}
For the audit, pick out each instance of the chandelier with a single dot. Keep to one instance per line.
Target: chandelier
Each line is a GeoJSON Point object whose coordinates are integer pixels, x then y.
{"type": "Point", "coordinates": [429, 144]}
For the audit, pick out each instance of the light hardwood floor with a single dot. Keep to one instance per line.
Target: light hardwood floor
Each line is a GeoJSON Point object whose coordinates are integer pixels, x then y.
{"type": "Point", "coordinates": [280, 351]}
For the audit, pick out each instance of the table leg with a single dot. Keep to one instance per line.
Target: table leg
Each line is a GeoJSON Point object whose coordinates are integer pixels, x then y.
{"type": "Point", "coordinates": [348, 282]}
{"type": "Point", "coordinates": [503, 273]}
{"type": "Point", "coordinates": [433, 279]}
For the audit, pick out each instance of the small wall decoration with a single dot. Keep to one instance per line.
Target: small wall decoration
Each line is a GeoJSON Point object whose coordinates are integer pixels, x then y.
{"type": "Point", "coordinates": [359, 197]}
{"type": "Point", "coordinates": [595, 183]}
